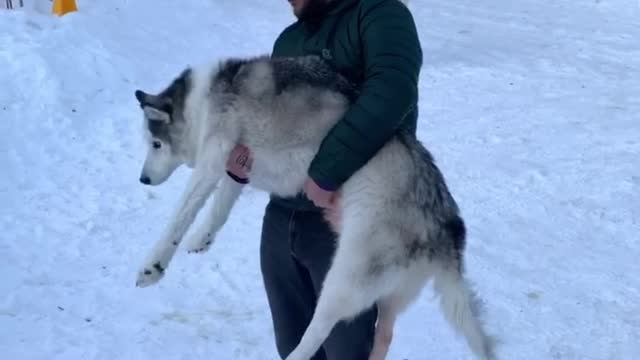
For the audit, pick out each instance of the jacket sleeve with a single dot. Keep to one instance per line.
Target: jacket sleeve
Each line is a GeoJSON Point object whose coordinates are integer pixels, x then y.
{"type": "Point", "coordinates": [392, 57]}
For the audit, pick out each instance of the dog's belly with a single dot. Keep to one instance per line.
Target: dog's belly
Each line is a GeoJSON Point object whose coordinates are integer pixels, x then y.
{"type": "Point", "coordinates": [280, 172]}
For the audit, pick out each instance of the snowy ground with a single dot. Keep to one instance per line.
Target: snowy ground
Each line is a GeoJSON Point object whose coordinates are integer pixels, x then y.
{"type": "Point", "coordinates": [530, 107]}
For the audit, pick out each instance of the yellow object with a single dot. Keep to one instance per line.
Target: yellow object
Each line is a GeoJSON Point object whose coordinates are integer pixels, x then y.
{"type": "Point", "coordinates": [61, 7]}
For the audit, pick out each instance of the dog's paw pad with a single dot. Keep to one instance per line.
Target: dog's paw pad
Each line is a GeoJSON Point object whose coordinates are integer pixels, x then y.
{"type": "Point", "coordinates": [200, 244]}
{"type": "Point", "coordinates": [200, 249]}
{"type": "Point", "coordinates": [150, 275]}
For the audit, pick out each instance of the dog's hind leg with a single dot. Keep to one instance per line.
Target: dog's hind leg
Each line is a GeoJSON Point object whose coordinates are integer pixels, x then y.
{"type": "Point", "coordinates": [408, 283]}
{"type": "Point", "coordinates": [223, 201]}
{"type": "Point", "coordinates": [387, 313]}
{"type": "Point", "coordinates": [350, 287]}
{"type": "Point", "coordinates": [340, 299]}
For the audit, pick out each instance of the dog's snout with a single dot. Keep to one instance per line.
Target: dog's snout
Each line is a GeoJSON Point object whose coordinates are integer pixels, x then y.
{"type": "Point", "coordinates": [145, 180]}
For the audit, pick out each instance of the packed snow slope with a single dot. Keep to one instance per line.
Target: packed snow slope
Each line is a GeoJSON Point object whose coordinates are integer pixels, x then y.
{"type": "Point", "coordinates": [530, 107]}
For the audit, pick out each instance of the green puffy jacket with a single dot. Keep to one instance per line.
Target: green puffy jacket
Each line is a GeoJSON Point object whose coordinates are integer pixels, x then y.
{"type": "Point", "coordinates": [375, 44]}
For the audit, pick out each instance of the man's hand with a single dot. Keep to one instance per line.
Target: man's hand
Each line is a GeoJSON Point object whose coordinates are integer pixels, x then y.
{"type": "Point", "coordinates": [239, 164]}
{"type": "Point", "coordinates": [320, 197]}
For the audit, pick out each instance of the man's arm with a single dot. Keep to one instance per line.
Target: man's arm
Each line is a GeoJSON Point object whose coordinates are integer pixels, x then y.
{"type": "Point", "coordinates": [392, 57]}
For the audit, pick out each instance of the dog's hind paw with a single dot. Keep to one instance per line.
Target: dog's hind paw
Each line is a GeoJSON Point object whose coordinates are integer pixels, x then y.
{"type": "Point", "coordinates": [199, 242]}
{"type": "Point", "coordinates": [150, 275]}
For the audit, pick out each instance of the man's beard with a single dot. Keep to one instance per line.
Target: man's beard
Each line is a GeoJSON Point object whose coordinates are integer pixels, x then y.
{"type": "Point", "coordinates": [314, 9]}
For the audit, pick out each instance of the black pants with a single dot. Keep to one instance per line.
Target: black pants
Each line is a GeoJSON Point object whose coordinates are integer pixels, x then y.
{"type": "Point", "coordinates": [295, 254]}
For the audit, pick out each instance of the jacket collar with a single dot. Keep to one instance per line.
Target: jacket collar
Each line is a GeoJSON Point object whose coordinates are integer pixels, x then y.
{"type": "Point", "coordinates": [334, 7]}
{"type": "Point", "coordinates": [337, 6]}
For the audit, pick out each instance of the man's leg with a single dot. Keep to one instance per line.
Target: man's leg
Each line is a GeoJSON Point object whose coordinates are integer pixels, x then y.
{"type": "Point", "coordinates": [314, 246]}
{"type": "Point", "coordinates": [289, 289]}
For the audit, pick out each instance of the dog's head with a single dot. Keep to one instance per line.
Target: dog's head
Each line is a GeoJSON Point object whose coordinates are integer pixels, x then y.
{"type": "Point", "coordinates": [164, 126]}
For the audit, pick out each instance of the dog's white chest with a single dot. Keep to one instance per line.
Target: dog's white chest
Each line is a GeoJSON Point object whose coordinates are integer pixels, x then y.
{"type": "Point", "coordinates": [280, 172]}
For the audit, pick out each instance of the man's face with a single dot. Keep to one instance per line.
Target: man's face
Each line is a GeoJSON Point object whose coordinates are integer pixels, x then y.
{"type": "Point", "coordinates": [304, 9]}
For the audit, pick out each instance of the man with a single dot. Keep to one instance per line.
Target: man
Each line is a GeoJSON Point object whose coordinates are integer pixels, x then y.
{"type": "Point", "coordinates": [375, 44]}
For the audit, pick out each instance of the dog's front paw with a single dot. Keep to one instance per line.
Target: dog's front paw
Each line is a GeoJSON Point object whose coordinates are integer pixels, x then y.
{"type": "Point", "coordinates": [150, 275]}
{"type": "Point", "coordinates": [200, 242]}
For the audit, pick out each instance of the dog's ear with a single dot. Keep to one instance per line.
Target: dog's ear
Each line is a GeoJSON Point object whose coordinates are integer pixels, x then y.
{"type": "Point", "coordinates": [165, 104]}
{"type": "Point", "coordinates": [157, 115]}
{"type": "Point", "coordinates": [141, 96]}
{"type": "Point", "coordinates": [159, 103]}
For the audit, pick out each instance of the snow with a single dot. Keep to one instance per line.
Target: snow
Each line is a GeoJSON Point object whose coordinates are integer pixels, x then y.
{"type": "Point", "coordinates": [530, 108]}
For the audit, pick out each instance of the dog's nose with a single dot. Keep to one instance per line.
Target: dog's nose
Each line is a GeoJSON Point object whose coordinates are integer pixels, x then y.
{"type": "Point", "coordinates": [145, 180]}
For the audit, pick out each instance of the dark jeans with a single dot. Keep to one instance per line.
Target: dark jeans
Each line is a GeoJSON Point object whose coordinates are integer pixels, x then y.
{"type": "Point", "coordinates": [295, 253]}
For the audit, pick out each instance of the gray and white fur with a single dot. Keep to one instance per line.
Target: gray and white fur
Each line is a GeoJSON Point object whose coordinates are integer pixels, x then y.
{"type": "Point", "coordinates": [397, 222]}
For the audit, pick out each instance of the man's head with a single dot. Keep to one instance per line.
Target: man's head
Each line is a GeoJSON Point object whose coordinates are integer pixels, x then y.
{"type": "Point", "coordinates": [309, 9]}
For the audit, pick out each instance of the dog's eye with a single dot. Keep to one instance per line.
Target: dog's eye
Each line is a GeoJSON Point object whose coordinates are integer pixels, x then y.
{"type": "Point", "coordinates": [157, 144]}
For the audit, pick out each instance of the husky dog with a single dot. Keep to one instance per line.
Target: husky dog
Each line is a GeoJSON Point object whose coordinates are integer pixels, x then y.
{"type": "Point", "coordinates": [398, 225]}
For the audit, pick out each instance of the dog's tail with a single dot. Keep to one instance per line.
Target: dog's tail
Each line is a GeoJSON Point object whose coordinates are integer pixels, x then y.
{"type": "Point", "coordinates": [461, 309]}
{"type": "Point", "coordinates": [460, 305]}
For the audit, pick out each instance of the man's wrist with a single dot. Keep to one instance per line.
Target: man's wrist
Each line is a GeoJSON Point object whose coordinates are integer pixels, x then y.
{"type": "Point", "coordinates": [237, 179]}
{"type": "Point", "coordinates": [324, 184]}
